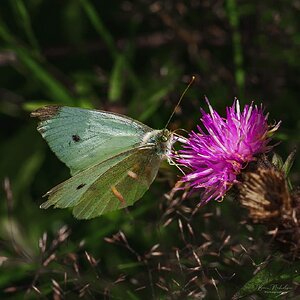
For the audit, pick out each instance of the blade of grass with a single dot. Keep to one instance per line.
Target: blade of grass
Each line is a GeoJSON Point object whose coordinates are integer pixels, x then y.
{"type": "Point", "coordinates": [99, 26]}
{"type": "Point", "coordinates": [23, 18]}
{"type": "Point", "coordinates": [153, 93]}
{"type": "Point", "coordinates": [233, 17]}
{"type": "Point", "coordinates": [116, 79]}
{"type": "Point", "coordinates": [53, 88]}
{"type": "Point", "coordinates": [21, 167]}
{"type": "Point", "coordinates": [103, 32]}
{"type": "Point", "coordinates": [5, 34]}
{"type": "Point", "coordinates": [154, 101]}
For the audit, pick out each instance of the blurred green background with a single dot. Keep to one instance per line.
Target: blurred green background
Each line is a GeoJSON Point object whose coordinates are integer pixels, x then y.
{"type": "Point", "coordinates": [136, 58]}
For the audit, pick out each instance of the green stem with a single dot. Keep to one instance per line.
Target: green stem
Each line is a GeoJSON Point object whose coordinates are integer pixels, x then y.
{"type": "Point", "coordinates": [233, 17]}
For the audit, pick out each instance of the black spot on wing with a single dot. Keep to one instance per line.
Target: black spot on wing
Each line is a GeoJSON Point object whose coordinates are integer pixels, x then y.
{"type": "Point", "coordinates": [80, 186]}
{"type": "Point", "coordinates": [76, 138]}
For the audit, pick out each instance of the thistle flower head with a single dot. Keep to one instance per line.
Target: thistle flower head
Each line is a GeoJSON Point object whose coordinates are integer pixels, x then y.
{"type": "Point", "coordinates": [216, 155]}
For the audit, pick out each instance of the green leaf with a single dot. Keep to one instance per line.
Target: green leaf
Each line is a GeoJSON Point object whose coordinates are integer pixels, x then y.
{"type": "Point", "coordinates": [289, 162]}
{"type": "Point", "coordinates": [117, 79]}
{"type": "Point", "coordinates": [272, 278]}
{"type": "Point", "coordinates": [277, 161]}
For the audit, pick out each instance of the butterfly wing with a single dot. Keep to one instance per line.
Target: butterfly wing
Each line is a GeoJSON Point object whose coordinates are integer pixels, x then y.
{"type": "Point", "coordinates": [82, 138]}
{"type": "Point", "coordinates": [115, 183]}
{"type": "Point", "coordinates": [70, 192]}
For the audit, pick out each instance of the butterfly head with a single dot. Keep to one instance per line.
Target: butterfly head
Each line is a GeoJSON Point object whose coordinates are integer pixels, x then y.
{"type": "Point", "coordinates": [164, 142]}
{"type": "Point", "coordinates": [161, 140]}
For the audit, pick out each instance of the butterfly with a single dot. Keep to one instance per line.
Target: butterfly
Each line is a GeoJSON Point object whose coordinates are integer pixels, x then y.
{"type": "Point", "coordinates": [113, 159]}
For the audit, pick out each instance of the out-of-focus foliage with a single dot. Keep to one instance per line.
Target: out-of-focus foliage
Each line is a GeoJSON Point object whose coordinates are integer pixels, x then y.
{"type": "Point", "coordinates": [136, 58]}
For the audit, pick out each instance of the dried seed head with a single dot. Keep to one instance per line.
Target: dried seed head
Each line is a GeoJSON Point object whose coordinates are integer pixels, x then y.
{"type": "Point", "coordinates": [265, 193]}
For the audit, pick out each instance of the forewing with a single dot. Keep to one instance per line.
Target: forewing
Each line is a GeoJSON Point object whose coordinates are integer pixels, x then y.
{"type": "Point", "coordinates": [119, 186]}
{"type": "Point", "coordinates": [82, 138]}
{"type": "Point", "coordinates": [70, 192]}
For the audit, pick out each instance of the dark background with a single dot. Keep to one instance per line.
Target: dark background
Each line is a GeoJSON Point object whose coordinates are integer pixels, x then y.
{"type": "Point", "coordinates": [136, 58]}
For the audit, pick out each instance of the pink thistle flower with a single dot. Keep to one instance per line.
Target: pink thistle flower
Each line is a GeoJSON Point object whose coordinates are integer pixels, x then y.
{"type": "Point", "coordinates": [216, 158]}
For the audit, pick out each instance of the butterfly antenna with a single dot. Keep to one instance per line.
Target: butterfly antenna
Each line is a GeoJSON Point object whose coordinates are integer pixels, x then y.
{"type": "Point", "coordinates": [179, 101]}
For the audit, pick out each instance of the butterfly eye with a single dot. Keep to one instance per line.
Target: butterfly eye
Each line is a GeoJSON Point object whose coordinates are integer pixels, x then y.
{"type": "Point", "coordinates": [164, 138]}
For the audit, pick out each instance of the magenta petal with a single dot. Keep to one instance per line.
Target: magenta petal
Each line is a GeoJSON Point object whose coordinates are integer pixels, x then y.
{"type": "Point", "coordinates": [216, 154]}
